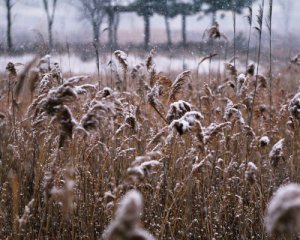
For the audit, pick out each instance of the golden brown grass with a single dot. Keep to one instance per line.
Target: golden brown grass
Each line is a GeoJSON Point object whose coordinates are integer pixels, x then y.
{"type": "Point", "coordinates": [72, 152]}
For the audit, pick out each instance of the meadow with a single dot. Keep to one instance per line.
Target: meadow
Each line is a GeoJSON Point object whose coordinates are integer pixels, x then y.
{"type": "Point", "coordinates": [137, 153]}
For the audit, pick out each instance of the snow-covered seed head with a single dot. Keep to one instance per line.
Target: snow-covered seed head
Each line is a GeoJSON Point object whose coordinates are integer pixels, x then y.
{"type": "Point", "coordinates": [213, 130]}
{"type": "Point", "coordinates": [107, 91]}
{"type": "Point", "coordinates": [67, 123]}
{"type": "Point", "coordinates": [276, 153]}
{"type": "Point", "coordinates": [44, 64]}
{"type": "Point", "coordinates": [262, 81]}
{"type": "Point", "coordinates": [250, 172]}
{"type": "Point", "coordinates": [130, 116]}
{"type": "Point", "coordinates": [153, 94]}
{"type": "Point", "coordinates": [122, 58]}
{"type": "Point", "coordinates": [187, 122]}
{"type": "Point", "coordinates": [264, 141]}
{"type": "Point", "coordinates": [295, 59]}
{"type": "Point", "coordinates": [149, 60]}
{"type": "Point", "coordinates": [178, 85]}
{"type": "Point", "coordinates": [130, 209]}
{"type": "Point", "coordinates": [294, 106]}
{"type": "Point", "coordinates": [126, 223]}
{"type": "Point", "coordinates": [177, 110]}
{"type": "Point", "coordinates": [262, 108]}
{"type": "Point", "coordinates": [139, 171]}
{"type": "Point", "coordinates": [27, 213]}
{"type": "Point", "coordinates": [230, 69]}
{"type": "Point", "coordinates": [64, 194]}
{"type": "Point", "coordinates": [241, 79]}
{"type": "Point", "coordinates": [56, 73]}
{"type": "Point", "coordinates": [2, 119]}
{"type": "Point", "coordinates": [232, 111]}
{"type": "Point", "coordinates": [283, 213]}
{"type": "Point", "coordinates": [136, 70]}
{"type": "Point", "coordinates": [10, 68]}
{"type": "Point", "coordinates": [250, 70]}
{"type": "Point", "coordinates": [214, 32]}
{"type": "Point", "coordinates": [96, 115]}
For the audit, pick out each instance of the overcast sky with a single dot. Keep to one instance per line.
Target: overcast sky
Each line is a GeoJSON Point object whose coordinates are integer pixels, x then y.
{"type": "Point", "coordinates": [28, 15]}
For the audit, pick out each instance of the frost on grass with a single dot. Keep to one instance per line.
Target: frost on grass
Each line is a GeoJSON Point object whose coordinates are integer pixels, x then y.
{"type": "Point", "coordinates": [125, 226]}
{"type": "Point", "coordinates": [183, 119]}
{"type": "Point", "coordinates": [283, 213]}
{"type": "Point", "coordinates": [232, 111]}
{"type": "Point", "coordinates": [294, 106]}
{"type": "Point", "coordinates": [144, 169]}
{"type": "Point", "coordinates": [27, 213]}
{"type": "Point", "coordinates": [250, 173]}
{"type": "Point", "coordinates": [241, 79]}
{"type": "Point", "coordinates": [264, 141]}
{"type": "Point", "coordinates": [212, 130]}
{"type": "Point", "coordinates": [177, 110]}
{"type": "Point", "coordinates": [44, 64]}
{"type": "Point", "coordinates": [276, 153]}
{"type": "Point", "coordinates": [96, 114]}
{"type": "Point", "coordinates": [143, 166]}
{"type": "Point", "coordinates": [187, 122]}
{"type": "Point", "coordinates": [179, 83]}
{"type": "Point", "coordinates": [64, 195]}
{"type": "Point", "coordinates": [122, 58]}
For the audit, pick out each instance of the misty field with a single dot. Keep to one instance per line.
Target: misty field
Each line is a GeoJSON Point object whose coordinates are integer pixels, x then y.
{"type": "Point", "coordinates": [202, 152]}
{"type": "Point", "coordinates": [145, 145]}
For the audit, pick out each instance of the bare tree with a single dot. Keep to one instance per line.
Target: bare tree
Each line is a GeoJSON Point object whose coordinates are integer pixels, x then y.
{"type": "Point", "coordinates": [50, 18]}
{"type": "Point", "coordinates": [286, 7]}
{"type": "Point", "coordinates": [115, 31]}
{"type": "Point", "coordinates": [113, 16]}
{"type": "Point", "coordinates": [94, 12]}
{"type": "Point", "coordinates": [9, 5]}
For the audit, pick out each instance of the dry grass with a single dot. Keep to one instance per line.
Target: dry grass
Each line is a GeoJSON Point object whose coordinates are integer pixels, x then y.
{"type": "Point", "coordinates": [71, 153]}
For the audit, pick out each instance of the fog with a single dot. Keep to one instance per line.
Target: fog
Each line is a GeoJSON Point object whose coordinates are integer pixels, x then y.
{"type": "Point", "coordinates": [29, 17]}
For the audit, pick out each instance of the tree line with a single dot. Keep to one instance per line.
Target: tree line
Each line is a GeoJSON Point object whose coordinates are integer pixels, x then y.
{"type": "Point", "coordinates": [95, 11]}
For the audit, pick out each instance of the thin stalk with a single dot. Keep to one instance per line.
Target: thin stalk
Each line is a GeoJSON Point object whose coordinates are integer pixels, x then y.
{"type": "Point", "coordinates": [96, 47]}
{"type": "Point", "coordinates": [249, 17]}
{"type": "Point", "coordinates": [69, 57]}
{"type": "Point", "coordinates": [259, 29]}
{"type": "Point", "coordinates": [159, 113]}
{"type": "Point", "coordinates": [270, 58]}
{"type": "Point", "coordinates": [234, 32]}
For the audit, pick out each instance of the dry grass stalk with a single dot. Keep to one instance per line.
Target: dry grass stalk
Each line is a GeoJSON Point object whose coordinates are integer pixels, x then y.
{"type": "Point", "coordinates": [177, 87]}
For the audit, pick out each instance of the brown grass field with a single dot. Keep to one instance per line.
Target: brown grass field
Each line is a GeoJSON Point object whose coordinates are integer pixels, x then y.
{"type": "Point", "coordinates": [203, 153]}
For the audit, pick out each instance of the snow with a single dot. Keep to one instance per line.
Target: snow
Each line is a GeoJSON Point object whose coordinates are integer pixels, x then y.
{"type": "Point", "coordinates": [131, 204]}
{"type": "Point", "coordinates": [277, 149]}
{"type": "Point", "coordinates": [294, 106]}
{"type": "Point", "coordinates": [264, 140]}
{"type": "Point", "coordinates": [75, 65]}
{"type": "Point", "coordinates": [187, 121]}
{"type": "Point", "coordinates": [283, 211]}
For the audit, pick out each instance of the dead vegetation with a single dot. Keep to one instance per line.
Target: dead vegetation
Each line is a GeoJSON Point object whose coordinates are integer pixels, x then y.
{"type": "Point", "coordinates": [152, 156]}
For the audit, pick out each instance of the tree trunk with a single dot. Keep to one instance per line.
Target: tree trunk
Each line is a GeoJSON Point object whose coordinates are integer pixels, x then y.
{"type": "Point", "coordinates": [8, 17]}
{"type": "Point", "coordinates": [168, 31]}
{"type": "Point", "coordinates": [147, 32]}
{"type": "Point", "coordinates": [213, 17]}
{"type": "Point", "coordinates": [50, 23]}
{"type": "Point", "coordinates": [110, 29]}
{"type": "Point", "coordinates": [115, 32]}
{"type": "Point", "coordinates": [183, 22]}
{"type": "Point", "coordinates": [96, 34]}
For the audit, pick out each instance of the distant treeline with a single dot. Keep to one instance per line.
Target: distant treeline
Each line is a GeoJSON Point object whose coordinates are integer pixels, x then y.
{"type": "Point", "coordinates": [96, 11]}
